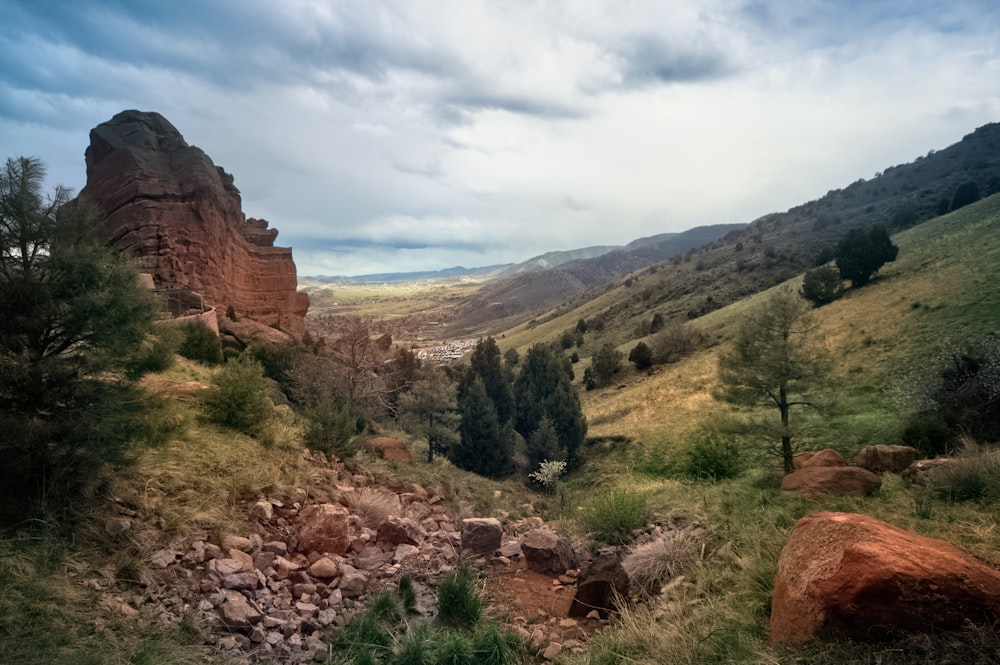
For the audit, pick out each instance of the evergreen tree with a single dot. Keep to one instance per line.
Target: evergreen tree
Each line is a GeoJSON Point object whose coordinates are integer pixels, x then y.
{"type": "Point", "coordinates": [605, 364]}
{"type": "Point", "coordinates": [861, 253]}
{"type": "Point", "coordinates": [429, 410]}
{"type": "Point", "coordinates": [543, 444]}
{"type": "Point", "coordinates": [544, 390]}
{"type": "Point", "coordinates": [774, 362]}
{"type": "Point", "coordinates": [486, 364]}
{"type": "Point", "coordinates": [485, 446]}
{"type": "Point", "coordinates": [822, 285]}
{"type": "Point", "coordinates": [72, 316]}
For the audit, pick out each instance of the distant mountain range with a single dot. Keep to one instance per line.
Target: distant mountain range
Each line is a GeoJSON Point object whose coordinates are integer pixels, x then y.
{"type": "Point", "coordinates": [649, 246]}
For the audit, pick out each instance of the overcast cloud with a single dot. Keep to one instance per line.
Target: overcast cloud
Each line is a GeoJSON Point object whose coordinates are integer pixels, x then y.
{"type": "Point", "coordinates": [419, 135]}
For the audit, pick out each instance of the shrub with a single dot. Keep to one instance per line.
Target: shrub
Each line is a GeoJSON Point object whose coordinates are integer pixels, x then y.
{"type": "Point", "coordinates": [331, 427]}
{"type": "Point", "coordinates": [459, 603]}
{"type": "Point", "coordinates": [156, 353]}
{"type": "Point", "coordinates": [861, 253]}
{"type": "Point", "coordinates": [674, 343]}
{"type": "Point", "coordinates": [962, 394]}
{"type": "Point", "coordinates": [548, 473]}
{"type": "Point", "coordinates": [974, 475]}
{"type": "Point", "coordinates": [238, 397]}
{"type": "Point", "coordinates": [966, 193]}
{"type": "Point", "coordinates": [612, 515]}
{"type": "Point", "coordinates": [495, 645]}
{"type": "Point", "coordinates": [641, 356]}
{"type": "Point", "coordinates": [455, 649]}
{"type": "Point", "coordinates": [713, 457]}
{"type": "Point", "coordinates": [822, 285]}
{"type": "Point", "coordinates": [200, 344]}
{"type": "Point", "coordinates": [653, 564]}
{"type": "Point", "coordinates": [276, 359]}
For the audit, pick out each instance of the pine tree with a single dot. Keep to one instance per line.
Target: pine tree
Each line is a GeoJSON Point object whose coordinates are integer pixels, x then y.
{"type": "Point", "coordinates": [485, 446]}
{"type": "Point", "coordinates": [544, 390]}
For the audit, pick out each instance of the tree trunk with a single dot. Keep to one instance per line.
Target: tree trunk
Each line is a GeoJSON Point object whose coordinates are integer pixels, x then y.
{"type": "Point", "coordinates": [786, 435]}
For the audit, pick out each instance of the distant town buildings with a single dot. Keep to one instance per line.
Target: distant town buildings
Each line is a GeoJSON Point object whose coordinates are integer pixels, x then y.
{"type": "Point", "coordinates": [446, 353]}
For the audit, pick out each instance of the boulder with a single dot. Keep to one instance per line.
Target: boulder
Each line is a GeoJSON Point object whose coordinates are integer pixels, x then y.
{"type": "Point", "coordinates": [388, 448]}
{"type": "Point", "coordinates": [353, 582]}
{"type": "Point", "coordinates": [546, 551]}
{"type": "Point", "coordinates": [324, 528]}
{"type": "Point", "coordinates": [237, 613]}
{"type": "Point", "coordinates": [166, 204]}
{"type": "Point", "coordinates": [324, 568]}
{"type": "Point", "coordinates": [400, 530]}
{"type": "Point", "coordinates": [859, 577]}
{"type": "Point", "coordinates": [826, 457]}
{"type": "Point", "coordinates": [921, 471]}
{"type": "Point", "coordinates": [886, 459]}
{"type": "Point", "coordinates": [814, 481]}
{"type": "Point", "coordinates": [600, 584]}
{"type": "Point", "coordinates": [481, 535]}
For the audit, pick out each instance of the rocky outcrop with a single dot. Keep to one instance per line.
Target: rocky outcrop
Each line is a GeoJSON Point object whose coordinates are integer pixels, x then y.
{"type": "Point", "coordinates": [166, 203]}
{"type": "Point", "coordinates": [857, 576]}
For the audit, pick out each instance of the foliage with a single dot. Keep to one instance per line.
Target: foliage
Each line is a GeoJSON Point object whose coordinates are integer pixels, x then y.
{"type": "Point", "coordinates": [277, 360]}
{"type": "Point", "coordinates": [430, 410]}
{"type": "Point", "coordinates": [544, 391]}
{"type": "Point", "coordinates": [548, 473]}
{"type": "Point", "coordinates": [155, 353]}
{"type": "Point", "coordinates": [641, 355]}
{"type": "Point", "coordinates": [459, 603]}
{"type": "Point", "coordinates": [486, 364]}
{"type": "Point", "coordinates": [485, 446]}
{"type": "Point", "coordinates": [238, 398]}
{"type": "Point", "coordinates": [822, 285]}
{"type": "Point", "coordinates": [603, 366]}
{"type": "Point", "coordinates": [543, 444]}
{"type": "Point", "coordinates": [860, 254]}
{"type": "Point", "coordinates": [674, 343]}
{"type": "Point", "coordinates": [611, 515]}
{"type": "Point", "coordinates": [657, 323]}
{"type": "Point", "coordinates": [713, 456]}
{"type": "Point", "coordinates": [774, 361]}
{"type": "Point", "coordinates": [973, 475]}
{"type": "Point", "coordinates": [331, 427]}
{"type": "Point", "coordinates": [961, 395]}
{"type": "Point", "coordinates": [72, 318]}
{"type": "Point", "coordinates": [966, 193]}
{"type": "Point", "coordinates": [200, 343]}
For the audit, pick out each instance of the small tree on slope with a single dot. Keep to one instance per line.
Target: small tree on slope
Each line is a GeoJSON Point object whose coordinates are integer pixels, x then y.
{"type": "Point", "coordinates": [774, 361]}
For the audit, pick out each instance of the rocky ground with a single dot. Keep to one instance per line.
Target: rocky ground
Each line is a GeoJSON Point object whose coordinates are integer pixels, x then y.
{"type": "Point", "coordinates": [270, 595]}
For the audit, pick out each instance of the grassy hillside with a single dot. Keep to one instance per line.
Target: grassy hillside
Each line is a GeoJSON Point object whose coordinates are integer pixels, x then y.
{"type": "Point", "coordinates": [713, 273]}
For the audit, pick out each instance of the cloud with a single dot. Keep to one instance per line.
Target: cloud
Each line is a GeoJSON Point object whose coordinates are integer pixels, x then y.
{"type": "Point", "coordinates": [430, 133]}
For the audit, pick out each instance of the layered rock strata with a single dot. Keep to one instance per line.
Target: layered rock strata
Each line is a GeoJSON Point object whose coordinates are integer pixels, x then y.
{"type": "Point", "coordinates": [166, 203]}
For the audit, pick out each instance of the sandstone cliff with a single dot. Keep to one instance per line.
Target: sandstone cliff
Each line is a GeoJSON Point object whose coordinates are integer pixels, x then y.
{"type": "Point", "coordinates": [169, 205]}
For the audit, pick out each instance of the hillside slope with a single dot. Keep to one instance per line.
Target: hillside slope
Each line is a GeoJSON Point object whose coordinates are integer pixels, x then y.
{"type": "Point", "coordinates": [944, 288]}
{"type": "Point", "coordinates": [746, 260]}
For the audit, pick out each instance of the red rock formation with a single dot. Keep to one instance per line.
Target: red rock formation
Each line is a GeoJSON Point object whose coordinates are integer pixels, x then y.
{"type": "Point", "coordinates": [857, 576]}
{"type": "Point", "coordinates": [167, 204]}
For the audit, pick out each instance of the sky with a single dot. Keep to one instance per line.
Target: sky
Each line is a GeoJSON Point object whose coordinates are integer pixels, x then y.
{"type": "Point", "coordinates": [420, 135]}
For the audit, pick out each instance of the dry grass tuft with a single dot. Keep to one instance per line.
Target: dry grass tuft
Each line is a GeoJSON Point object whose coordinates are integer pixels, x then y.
{"type": "Point", "coordinates": [653, 564]}
{"type": "Point", "coordinates": [373, 505]}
